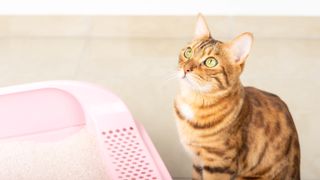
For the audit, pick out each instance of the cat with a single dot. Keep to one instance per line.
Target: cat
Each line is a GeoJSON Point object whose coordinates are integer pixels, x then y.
{"type": "Point", "coordinates": [231, 131]}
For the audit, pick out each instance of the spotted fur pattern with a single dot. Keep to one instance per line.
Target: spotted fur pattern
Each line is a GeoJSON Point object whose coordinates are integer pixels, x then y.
{"type": "Point", "coordinates": [231, 131]}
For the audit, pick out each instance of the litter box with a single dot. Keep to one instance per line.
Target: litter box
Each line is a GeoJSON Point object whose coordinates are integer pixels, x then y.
{"type": "Point", "coordinates": [51, 111]}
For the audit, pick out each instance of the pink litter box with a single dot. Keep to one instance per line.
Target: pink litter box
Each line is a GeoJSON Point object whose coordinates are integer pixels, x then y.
{"type": "Point", "coordinates": [54, 110]}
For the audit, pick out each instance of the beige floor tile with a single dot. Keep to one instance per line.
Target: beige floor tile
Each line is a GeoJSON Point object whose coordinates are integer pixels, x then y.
{"type": "Point", "coordinates": [155, 26]}
{"type": "Point", "coordinates": [4, 26]}
{"type": "Point", "coordinates": [277, 27]}
{"type": "Point", "coordinates": [29, 60]}
{"type": "Point", "coordinates": [35, 26]}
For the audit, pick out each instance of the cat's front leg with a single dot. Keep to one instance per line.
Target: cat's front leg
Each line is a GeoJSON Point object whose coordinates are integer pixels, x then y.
{"type": "Point", "coordinates": [196, 172]}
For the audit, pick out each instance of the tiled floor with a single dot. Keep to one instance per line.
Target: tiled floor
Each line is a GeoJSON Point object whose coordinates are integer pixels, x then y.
{"type": "Point", "coordinates": [140, 71]}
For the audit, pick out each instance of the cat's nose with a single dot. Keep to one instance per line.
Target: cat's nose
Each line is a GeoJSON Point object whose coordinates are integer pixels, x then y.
{"type": "Point", "coordinates": [188, 68]}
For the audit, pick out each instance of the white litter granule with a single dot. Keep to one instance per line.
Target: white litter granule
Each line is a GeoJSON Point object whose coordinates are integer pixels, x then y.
{"type": "Point", "coordinates": [74, 158]}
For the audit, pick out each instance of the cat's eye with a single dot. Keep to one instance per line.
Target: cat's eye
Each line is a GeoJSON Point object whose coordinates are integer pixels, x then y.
{"type": "Point", "coordinates": [188, 53]}
{"type": "Point", "coordinates": [210, 62]}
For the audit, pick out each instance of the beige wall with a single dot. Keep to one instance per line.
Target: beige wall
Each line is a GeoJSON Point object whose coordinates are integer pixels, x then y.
{"type": "Point", "coordinates": [136, 56]}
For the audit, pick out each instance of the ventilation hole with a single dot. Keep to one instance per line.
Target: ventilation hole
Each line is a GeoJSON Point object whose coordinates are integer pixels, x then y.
{"type": "Point", "coordinates": [103, 133]}
{"type": "Point", "coordinates": [117, 130]}
{"type": "Point", "coordinates": [150, 170]}
{"type": "Point", "coordinates": [110, 132]}
{"type": "Point", "coordinates": [108, 137]}
{"type": "Point", "coordinates": [131, 128]}
{"type": "Point", "coordinates": [115, 136]}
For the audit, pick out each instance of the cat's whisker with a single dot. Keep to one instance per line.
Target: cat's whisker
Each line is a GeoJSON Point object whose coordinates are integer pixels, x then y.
{"type": "Point", "coordinates": [169, 78]}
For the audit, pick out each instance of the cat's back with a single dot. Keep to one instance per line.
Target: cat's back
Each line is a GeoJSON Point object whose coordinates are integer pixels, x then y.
{"type": "Point", "coordinates": [272, 137]}
{"type": "Point", "coordinates": [266, 103]}
{"type": "Point", "coordinates": [269, 113]}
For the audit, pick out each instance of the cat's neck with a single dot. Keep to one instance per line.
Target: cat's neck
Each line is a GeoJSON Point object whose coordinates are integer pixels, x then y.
{"type": "Point", "coordinates": [233, 94]}
{"type": "Point", "coordinates": [221, 106]}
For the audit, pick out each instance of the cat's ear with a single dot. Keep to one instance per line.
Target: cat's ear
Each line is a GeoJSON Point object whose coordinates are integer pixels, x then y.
{"type": "Point", "coordinates": [240, 47]}
{"type": "Point", "coordinates": [202, 30]}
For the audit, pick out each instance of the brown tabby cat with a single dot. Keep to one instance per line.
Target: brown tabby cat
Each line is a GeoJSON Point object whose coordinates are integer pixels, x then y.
{"type": "Point", "coordinates": [231, 131]}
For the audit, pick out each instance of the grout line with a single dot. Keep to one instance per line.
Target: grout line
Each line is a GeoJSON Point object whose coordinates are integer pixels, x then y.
{"type": "Point", "coordinates": [84, 51]}
{"type": "Point", "coordinates": [144, 38]}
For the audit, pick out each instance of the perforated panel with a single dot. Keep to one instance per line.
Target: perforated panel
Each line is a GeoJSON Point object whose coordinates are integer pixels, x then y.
{"type": "Point", "coordinates": [128, 155]}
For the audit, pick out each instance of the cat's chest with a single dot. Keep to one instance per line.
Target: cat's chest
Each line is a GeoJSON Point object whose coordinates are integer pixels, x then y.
{"type": "Point", "coordinates": [186, 111]}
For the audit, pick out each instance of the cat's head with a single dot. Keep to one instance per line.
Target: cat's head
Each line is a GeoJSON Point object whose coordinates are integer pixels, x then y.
{"type": "Point", "coordinates": [207, 65]}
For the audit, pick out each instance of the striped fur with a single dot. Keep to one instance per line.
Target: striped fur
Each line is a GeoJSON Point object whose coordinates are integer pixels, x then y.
{"type": "Point", "coordinates": [235, 132]}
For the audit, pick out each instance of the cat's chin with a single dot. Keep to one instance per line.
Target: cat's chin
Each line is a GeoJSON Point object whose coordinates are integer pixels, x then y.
{"type": "Point", "coordinates": [188, 85]}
